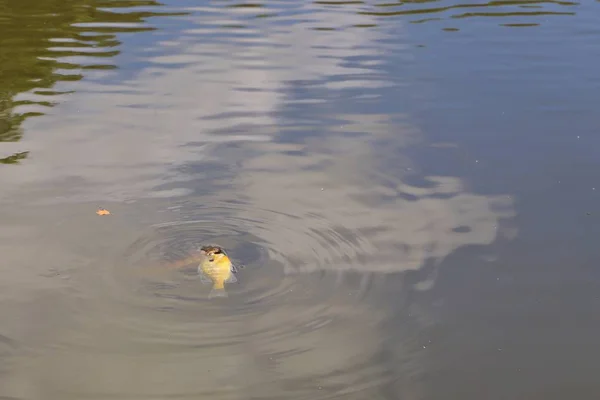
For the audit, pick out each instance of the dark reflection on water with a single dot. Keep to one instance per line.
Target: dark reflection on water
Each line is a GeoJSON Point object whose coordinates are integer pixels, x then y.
{"type": "Point", "coordinates": [512, 9]}
{"type": "Point", "coordinates": [369, 176]}
{"type": "Point", "coordinates": [46, 42]}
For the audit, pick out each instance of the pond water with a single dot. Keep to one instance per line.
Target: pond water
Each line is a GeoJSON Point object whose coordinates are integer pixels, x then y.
{"type": "Point", "coordinates": [412, 189]}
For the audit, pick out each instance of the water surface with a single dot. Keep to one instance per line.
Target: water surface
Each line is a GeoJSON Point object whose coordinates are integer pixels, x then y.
{"type": "Point", "coordinates": [411, 187]}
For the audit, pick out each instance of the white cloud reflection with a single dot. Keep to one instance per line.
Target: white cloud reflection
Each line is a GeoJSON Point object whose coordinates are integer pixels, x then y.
{"type": "Point", "coordinates": [120, 141]}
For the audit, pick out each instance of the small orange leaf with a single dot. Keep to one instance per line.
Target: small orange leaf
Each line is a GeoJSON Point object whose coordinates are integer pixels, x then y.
{"type": "Point", "coordinates": [103, 211]}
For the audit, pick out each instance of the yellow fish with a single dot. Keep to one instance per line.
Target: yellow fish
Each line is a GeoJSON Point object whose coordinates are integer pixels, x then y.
{"type": "Point", "coordinates": [216, 268]}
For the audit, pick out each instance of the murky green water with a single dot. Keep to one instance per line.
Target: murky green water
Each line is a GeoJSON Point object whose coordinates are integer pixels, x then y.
{"type": "Point", "coordinates": [413, 188]}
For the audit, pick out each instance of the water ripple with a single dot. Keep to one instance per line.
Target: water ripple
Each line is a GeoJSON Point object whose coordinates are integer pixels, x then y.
{"type": "Point", "coordinates": [42, 48]}
{"type": "Point", "coordinates": [517, 12]}
{"type": "Point", "coordinates": [275, 327]}
{"type": "Point", "coordinates": [249, 125]}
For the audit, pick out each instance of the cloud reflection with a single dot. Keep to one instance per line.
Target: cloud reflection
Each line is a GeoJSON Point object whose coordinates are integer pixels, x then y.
{"type": "Point", "coordinates": [332, 200]}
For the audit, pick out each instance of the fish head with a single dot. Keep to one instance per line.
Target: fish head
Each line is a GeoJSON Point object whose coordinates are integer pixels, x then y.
{"type": "Point", "coordinates": [213, 253]}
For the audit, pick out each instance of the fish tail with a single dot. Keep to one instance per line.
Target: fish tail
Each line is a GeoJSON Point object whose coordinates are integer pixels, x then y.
{"type": "Point", "coordinates": [218, 290]}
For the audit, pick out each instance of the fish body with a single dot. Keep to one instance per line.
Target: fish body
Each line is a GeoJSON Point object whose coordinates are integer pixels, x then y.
{"type": "Point", "coordinates": [216, 268]}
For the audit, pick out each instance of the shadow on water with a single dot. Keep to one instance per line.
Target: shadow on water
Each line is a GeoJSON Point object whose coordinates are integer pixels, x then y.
{"type": "Point", "coordinates": [46, 42]}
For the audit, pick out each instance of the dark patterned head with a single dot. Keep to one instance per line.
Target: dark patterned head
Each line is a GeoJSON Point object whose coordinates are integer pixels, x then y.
{"type": "Point", "coordinates": [212, 251]}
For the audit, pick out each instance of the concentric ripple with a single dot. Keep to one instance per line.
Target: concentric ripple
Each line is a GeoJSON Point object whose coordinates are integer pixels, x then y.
{"type": "Point", "coordinates": [152, 290]}
{"type": "Point", "coordinates": [168, 252]}
{"type": "Point", "coordinates": [276, 327]}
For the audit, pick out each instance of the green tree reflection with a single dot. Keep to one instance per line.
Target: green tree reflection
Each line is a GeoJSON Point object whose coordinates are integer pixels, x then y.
{"type": "Point", "coordinates": [37, 36]}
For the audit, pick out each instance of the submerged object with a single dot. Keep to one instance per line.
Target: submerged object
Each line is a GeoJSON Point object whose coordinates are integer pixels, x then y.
{"type": "Point", "coordinates": [102, 211]}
